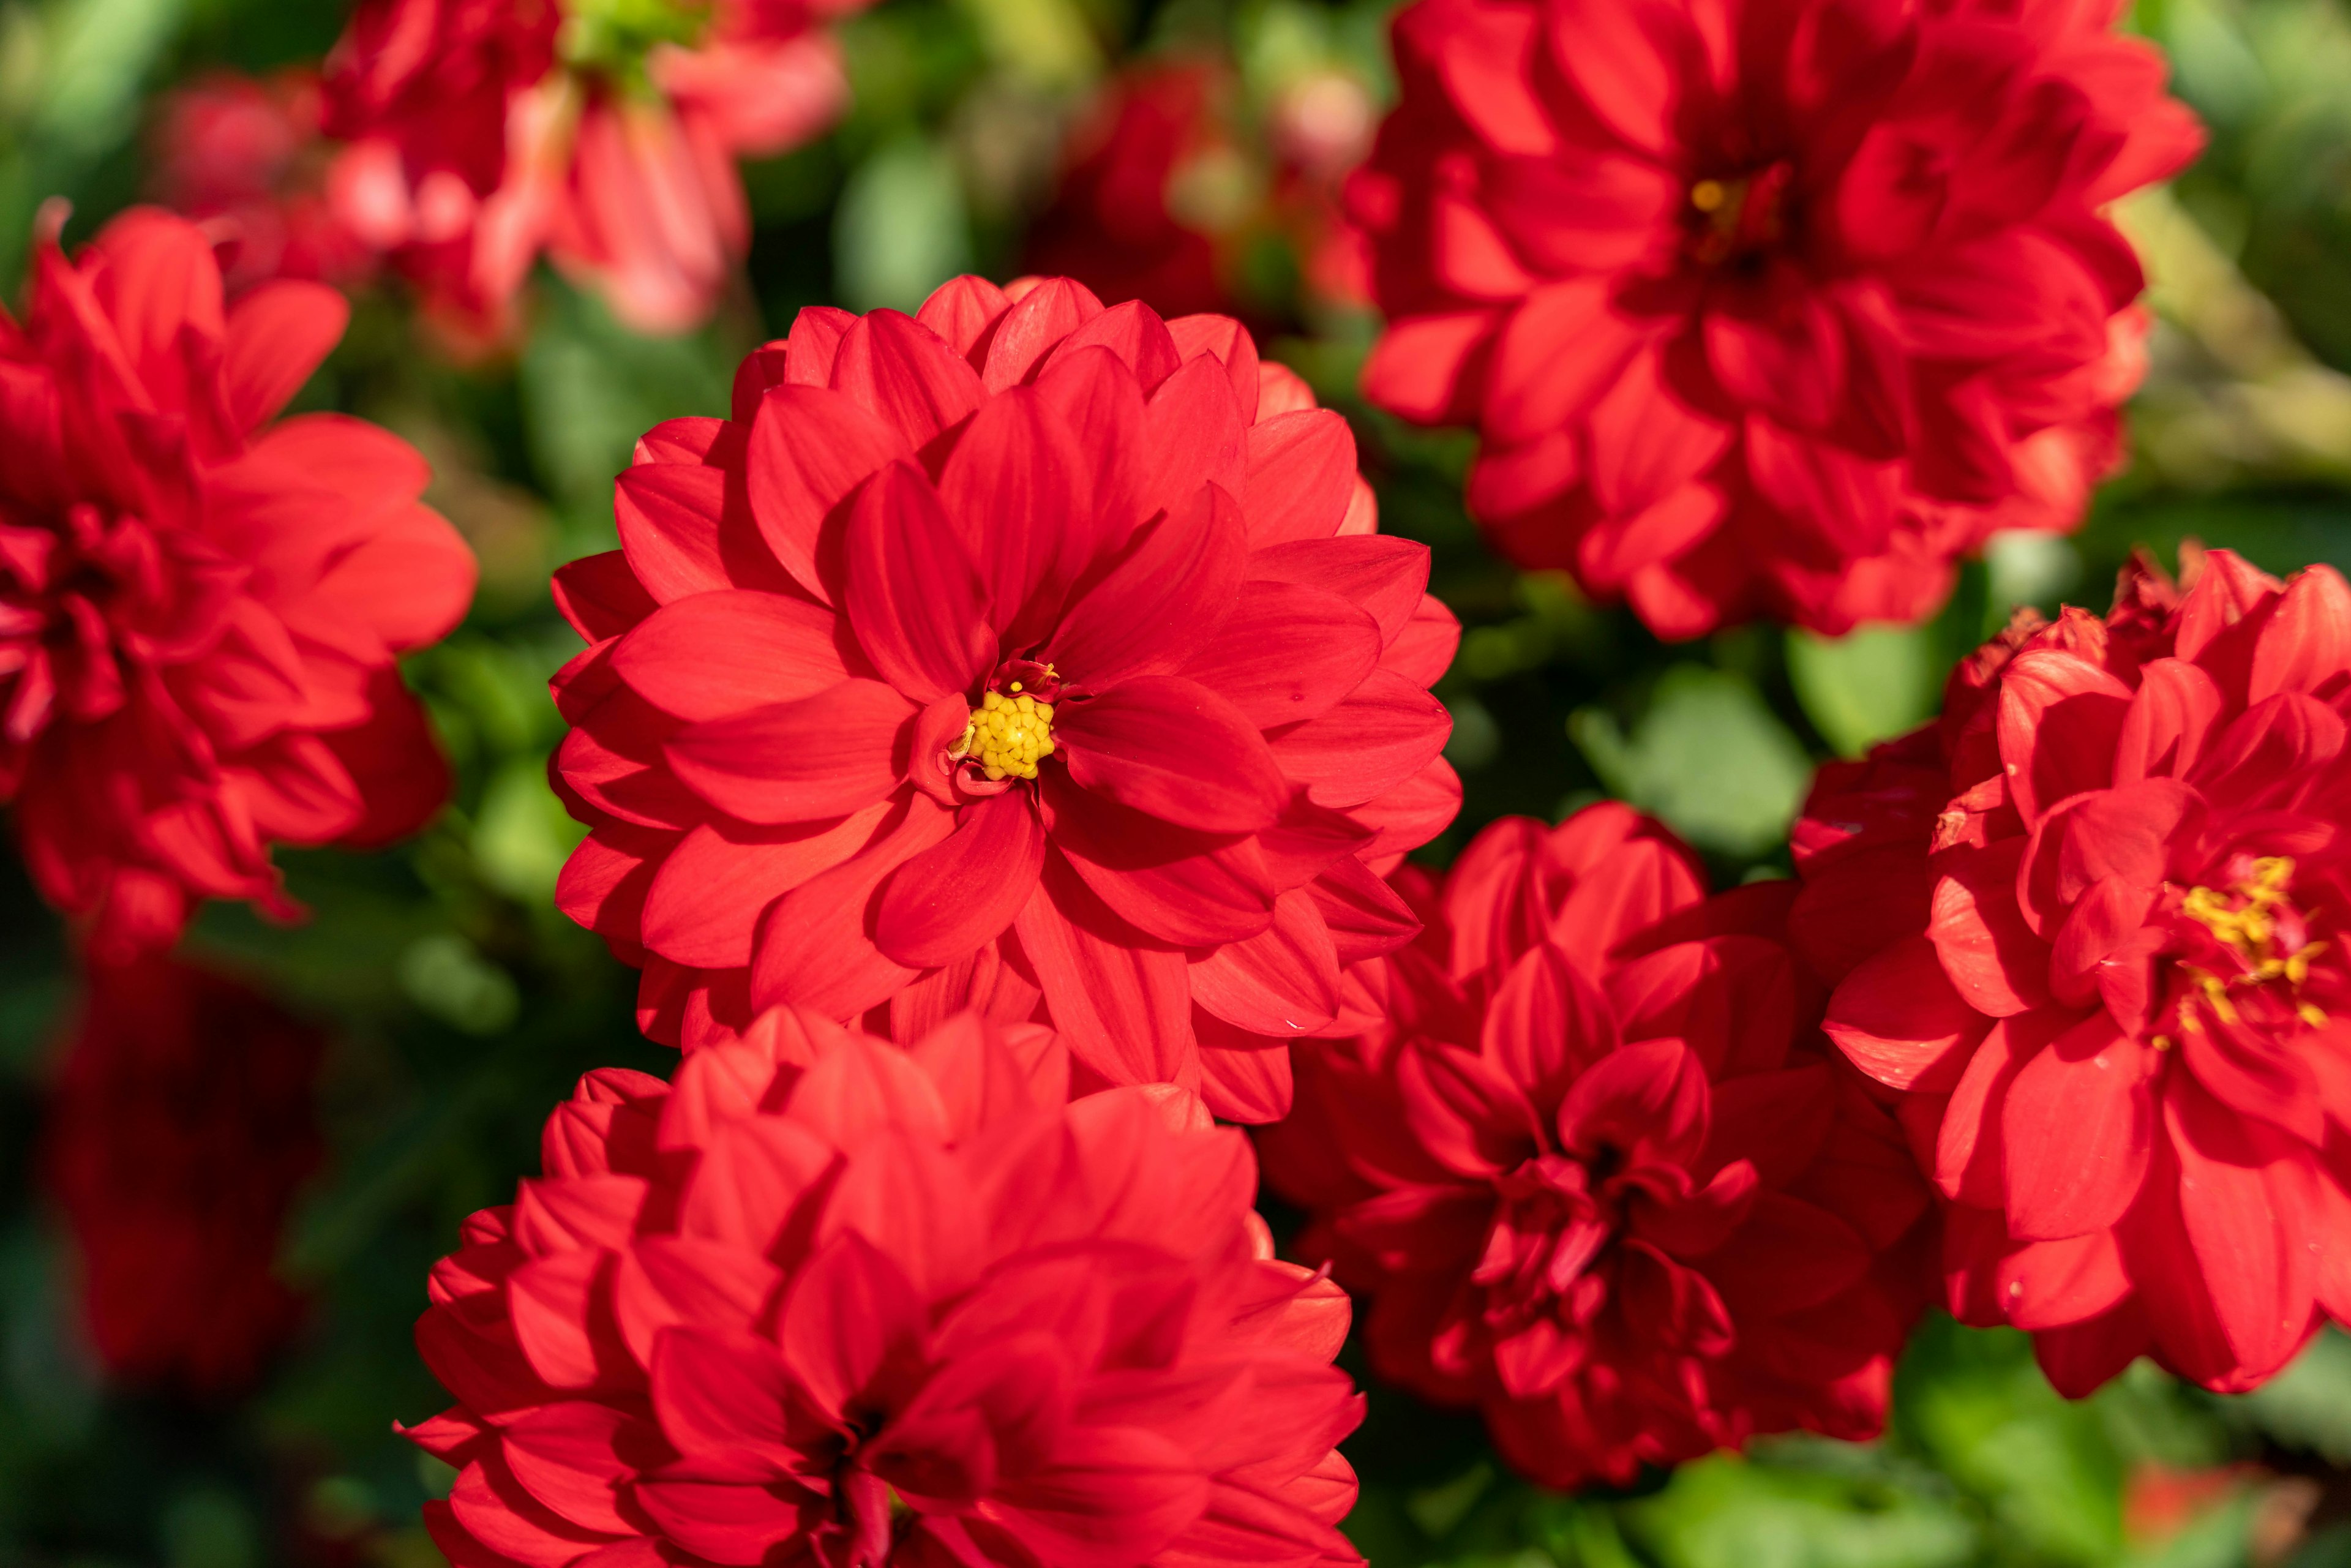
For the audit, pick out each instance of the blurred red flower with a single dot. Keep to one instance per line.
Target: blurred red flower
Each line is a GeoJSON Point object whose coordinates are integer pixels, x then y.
{"type": "Point", "coordinates": [199, 609]}
{"type": "Point", "coordinates": [483, 132]}
{"type": "Point", "coordinates": [1033, 657]}
{"type": "Point", "coordinates": [2091, 926]}
{"type": "Point", "coordinates": [1164, 195]}
{"type": "Point", "coordinates": [1764, 311]}
{"type": "Point", "coordinates": [1595, 1169]}
{"type": "Point", "coordinates": [177, 1136]}
{"type": "Point", "coordinates": [830, 1301]}
{"type": "Point", "coordinates": [244, 159]}
{"type": "Point", "coordinates": [1109, 224]}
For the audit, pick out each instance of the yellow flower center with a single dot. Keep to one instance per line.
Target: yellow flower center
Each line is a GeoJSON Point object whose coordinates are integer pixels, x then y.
{"type": "Point", "coordinates": [1009, 733]}
{"type": "Point", "coordinates": [2245, 919]}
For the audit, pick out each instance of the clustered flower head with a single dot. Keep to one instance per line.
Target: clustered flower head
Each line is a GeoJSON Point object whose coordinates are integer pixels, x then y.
{"type": "Point", "coordinates": [199, 606]}
{"type": "Point", "coordinates": [1595, 1169]}
{"type": "Point", "coordinates": [2091, 926]}
{"type": "Point", "coordinates": [602, 134]}
{"type": "Point", "coordinates": [831, 1300]}
{"type": "Point", "coordinates": [999, 739]}
{"type": "Point", "coordinates": [1774, 308]}
{"type": "Point", "coordinates": [178, 1135]}
{"type": "Point", "coordinates": [1021, 655]}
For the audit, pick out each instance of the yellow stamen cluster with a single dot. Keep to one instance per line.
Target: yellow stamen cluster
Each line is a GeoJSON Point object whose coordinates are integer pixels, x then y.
{"type": "Point", "coordinates": [2249, 924]}
{"type": "Point", "coordinates": [2245, 919]}
{"type": "Point", "coordinates": [1008, 735]}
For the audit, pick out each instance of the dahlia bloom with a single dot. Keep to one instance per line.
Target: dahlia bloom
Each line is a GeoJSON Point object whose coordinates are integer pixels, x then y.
{"type": "Point", "coordinates": [483, 132]}
{"type": "Point", "coordinates": [827, 1301]}
{"type": "Point", "coordinates": [1030, 657]}
{"type": "Point", "coordinates": [2089, 927]}
{"type": "Point", "coordinates": [1596, 1170]}
{"type": "Point", "coordinates": [180, 1130]}
{"type": "Point", "coordinates": [199, 608]}
{"type": "Point", "coordinates": [1764, 311]}
{"type": "Point", "coordinates": [243, 157]}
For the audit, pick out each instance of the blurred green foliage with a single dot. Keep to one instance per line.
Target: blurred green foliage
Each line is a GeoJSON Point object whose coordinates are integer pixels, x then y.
{"type": "Point", "coordinates": [464, 1005]}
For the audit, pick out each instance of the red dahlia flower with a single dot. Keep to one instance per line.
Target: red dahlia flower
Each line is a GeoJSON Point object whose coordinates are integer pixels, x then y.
{"type": "Point", "coordinates": [1036, 658]}
{"type": "Point", "coordinates": [485, 131]}
{"type": "Point", "coordinates": [199, 608]}
{"type": "Point", "coordinates": [830, 1301]}
{"type": "Point", "coordinates": [243, 157]}
{"type": "Point", "coordinates": [1769, 309]}
{"type": "Point", "coordinates": [2091, 926]}
{"type": "Point", "coordinates": [1595, 1169]}
{"type": "Point", "coordinates": [180, 1130]}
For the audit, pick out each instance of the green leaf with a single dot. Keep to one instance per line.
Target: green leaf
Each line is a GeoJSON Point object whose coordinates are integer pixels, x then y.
{"type": "Point", "coordinates": [1869, 685]}
{"type": "Point", "coordinates": [1708, 757]}
{"type": "Point", "coordinates": [1728, 1513]}
{"type": "Point", "coordinates": [590, 387]}
{"type": "Point", "coordinates": [522, 835]}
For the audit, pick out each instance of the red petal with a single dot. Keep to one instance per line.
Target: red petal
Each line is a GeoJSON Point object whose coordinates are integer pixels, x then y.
{"type": "Point", "coordinates": [2076, 1131]}
{"type": "Point", "coordinates": [815, 948]}
{"type": "Point", "coordinates": [1648, 1100]}
{"type": "Point", "coordinates": [2306, 645]}
{"type": "Point", "coordinates": [1546, 1023]}
{"type": "Point", "coordinates": [1034, 326]}
{"type": "Point", "coordinates": [1186, 888]}
{"type": "Point", "coordinates": [1967, 1165]}
{"type": "Point", "coordinates": [1415, 370]}
{"type": "Point", "coordinates": [800, 762]}
{"type": "Point", "coordinates": [1301, 475]}
{"type": "Point", "coordinates": [277, 335]}
{"type": "Point", "coordinates": [1464, 1113]}
{"type": "Point", "coordinates": [1287, 654]}
{"type": "Point", "coordinates": [1174, 749]}
{"type": "Point", "coordinates": [1558, 352]}
{"type": "Point", "coordinates": [1250, 1084]}
{"type": "Point", "coordinates": [912, 592]}
{"type": "Point", "coordinates": [1229, 344]}
{"type": "Point", "coordinates": [668, 516]}
{"type": "Point", "coordinates": [1281, 982]}
{"type": "Point", "coordinates": [949, 900]}
{"type": "Point", "coordinates": [906, 375]}
{"type": "Point", "coordinates": [2060, 717]}
{"type": "Point", "coordinates": [1647, 442]}
{"type": "Point", "coordinates": [1168, 592]}
{"type": "Point", "coordinates": [1126, 1008]}
{"type": "Point", "coordinates": [729, 651]}
{"type": "Point", "coordinates": [600, 596]}
{"type": "Point", "coordinates": [706, 901]}
{"type": "Point", "coordinates": [1900, 1019]}
{"type": "Point", "coordinates": [2051, 1284]}
{"type": "Point", "coordinates": [2245, 1196]}
{"type": "Point", "coordinates": [1385, 575]}
{"type": "Point", "coordinates": [809, 447]}
{"type": "Point", "coordinates": [1012, 485]}
{"type": "Point", "coordinates": [813, 343]}
{"type": "Point", "coordinates": [1385, 732]}
{"type": "Point", "coordinates": [1980, 935]}
{"type": "Point", "coordinates": [2170, 716]}
{"type": "Point", "coordinates": [1132, 331]}
{"type": "Point", "coordinates": [1629, 62]}
{"type": "Point", "coordinates": [1193, 436]}
{"type": "Point", "coordinates": [961, 310]}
